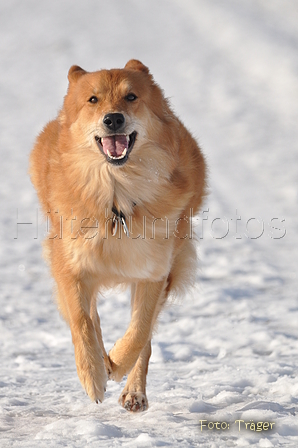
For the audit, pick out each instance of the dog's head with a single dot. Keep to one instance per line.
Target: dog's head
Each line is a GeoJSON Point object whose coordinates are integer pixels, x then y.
{"type": "Point", "coordinates": [113, 111]}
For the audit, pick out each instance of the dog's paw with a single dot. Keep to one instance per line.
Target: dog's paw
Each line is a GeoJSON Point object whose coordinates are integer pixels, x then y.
{"type": "Point", "coordinates": [95, 387]}
{"type": "Point", "coordinates": [108, 365]}
{"type": "Point", "coordinates": [93, 379]}
{"type": "Point", "coordinates": [117, 369]}
{"type": "Point", "coordinates": [133, 401]}
{"type": "Point", "coordinates": [115, 372]}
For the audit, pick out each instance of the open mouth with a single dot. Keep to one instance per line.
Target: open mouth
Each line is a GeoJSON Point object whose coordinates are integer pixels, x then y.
{"type": "Point", "coordinates": [116, 147]}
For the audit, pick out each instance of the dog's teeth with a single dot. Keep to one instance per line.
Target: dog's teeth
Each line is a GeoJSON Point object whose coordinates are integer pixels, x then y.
{"type": "Point", "coordinates": [119, 157]}
{"type": "Point", "coordinates": [127, 139]}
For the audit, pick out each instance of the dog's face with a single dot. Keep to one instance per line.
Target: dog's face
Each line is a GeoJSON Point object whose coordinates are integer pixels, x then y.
{"type": "Point", "coordinates": [112, 111]}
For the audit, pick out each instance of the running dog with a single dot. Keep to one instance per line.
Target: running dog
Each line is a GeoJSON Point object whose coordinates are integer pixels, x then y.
{"type": "Point", "coordinates": [119, 178]}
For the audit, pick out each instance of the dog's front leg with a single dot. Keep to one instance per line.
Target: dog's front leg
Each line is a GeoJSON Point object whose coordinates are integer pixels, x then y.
{"type": "Point", "coordinates": [75, 295]}
{"type": "Point", "coordinates": [96, 322]}
{"type": "Point", "coordinates": [148, 300]}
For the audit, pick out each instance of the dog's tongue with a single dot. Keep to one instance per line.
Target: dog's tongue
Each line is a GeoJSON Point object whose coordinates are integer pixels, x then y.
{"type": "Point", "coordinates": [115, 145]}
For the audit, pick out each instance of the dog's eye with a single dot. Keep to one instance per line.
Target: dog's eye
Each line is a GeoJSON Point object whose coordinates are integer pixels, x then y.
{"type": "Point", "coordinates": [93, 99]}
{"type": "Point", "coordinates": [131, 97]}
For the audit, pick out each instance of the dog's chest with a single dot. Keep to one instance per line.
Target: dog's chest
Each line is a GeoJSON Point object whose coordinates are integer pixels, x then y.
{"type": "Point", "coordinates": [117, 260]}
{"type": "Point", "coordinates": [135, 258]}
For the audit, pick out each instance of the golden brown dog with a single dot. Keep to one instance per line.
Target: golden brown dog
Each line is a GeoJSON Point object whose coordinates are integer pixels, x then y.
{"type": "Point", "coordinates": [119, 178]}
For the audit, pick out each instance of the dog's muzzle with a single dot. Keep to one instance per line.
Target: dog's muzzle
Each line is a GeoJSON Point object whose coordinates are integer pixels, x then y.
{"type": "Point", "coordinates": [116, 147]}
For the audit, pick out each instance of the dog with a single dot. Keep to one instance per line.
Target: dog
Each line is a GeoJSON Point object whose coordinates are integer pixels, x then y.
{"type": "Point", "coordinates": [119, 178]}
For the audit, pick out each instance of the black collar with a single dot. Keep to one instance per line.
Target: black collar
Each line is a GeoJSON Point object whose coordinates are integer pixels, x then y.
{"type": "Point", "coordinates": [119, 217]}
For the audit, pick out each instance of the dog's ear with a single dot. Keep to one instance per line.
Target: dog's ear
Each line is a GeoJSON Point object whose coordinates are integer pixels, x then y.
{"type": "Point", "coordinates": [134, 64]}
{"type": "Point", "coordinates": [75, 72]}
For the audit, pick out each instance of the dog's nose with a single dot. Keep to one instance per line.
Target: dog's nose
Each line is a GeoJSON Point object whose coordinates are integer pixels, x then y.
{"type": "Point", "coordinates": [114, 121]}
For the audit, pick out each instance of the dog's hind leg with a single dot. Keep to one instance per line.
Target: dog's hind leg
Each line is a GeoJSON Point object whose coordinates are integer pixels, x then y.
{"type": "Point", "coordinates": [133, 397]}
{"type": "Point", "coordinates": [148, 298]}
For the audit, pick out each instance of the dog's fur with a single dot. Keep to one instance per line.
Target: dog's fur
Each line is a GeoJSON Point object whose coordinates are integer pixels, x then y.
{"type": "Point", "coordinates": [158, 185]}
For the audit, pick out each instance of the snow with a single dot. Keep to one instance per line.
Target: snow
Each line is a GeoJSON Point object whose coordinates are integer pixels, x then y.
{"type": "Point", "coordinates": [229, 349]}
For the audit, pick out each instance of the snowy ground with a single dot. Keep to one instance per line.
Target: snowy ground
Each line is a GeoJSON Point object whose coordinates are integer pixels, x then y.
{"type": "Point", "coordinates": [229, 350]}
